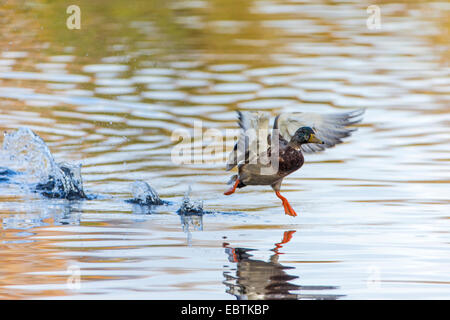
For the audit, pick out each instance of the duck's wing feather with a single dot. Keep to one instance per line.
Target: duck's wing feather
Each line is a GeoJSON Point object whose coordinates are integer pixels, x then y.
{"type": "Point", "coordinates": [330, 128]}
{"type": "Point", "coordinates": [254, 131]}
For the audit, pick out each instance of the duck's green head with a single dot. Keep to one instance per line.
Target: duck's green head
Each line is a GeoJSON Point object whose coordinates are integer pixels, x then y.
{"type": "Point", "coordinates": [304, 135]}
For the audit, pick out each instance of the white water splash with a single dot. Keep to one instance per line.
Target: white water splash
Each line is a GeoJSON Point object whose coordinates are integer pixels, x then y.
{"type": "Point", "coordinates": [188, 206]}
{"type": "Point", "coordinates": [144, 194]}
{"type": "Point", "coordinates": [24, 151]}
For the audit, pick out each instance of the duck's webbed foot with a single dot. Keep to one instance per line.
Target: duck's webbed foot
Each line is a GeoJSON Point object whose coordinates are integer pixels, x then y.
{"type": "Point", "coordinates": [233, 188]}
{"type": "Point", "coordinates": [287, 207]}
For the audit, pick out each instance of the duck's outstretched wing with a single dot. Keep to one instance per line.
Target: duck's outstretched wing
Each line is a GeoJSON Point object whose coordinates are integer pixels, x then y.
{"type": "Point", "coordinates": [330, 128]}
{"type": "Point", "coordinates": [254, 130]}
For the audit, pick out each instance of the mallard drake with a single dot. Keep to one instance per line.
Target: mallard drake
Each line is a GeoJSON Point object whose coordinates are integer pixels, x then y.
{"type": "Point", "coordinates": [266, 158]}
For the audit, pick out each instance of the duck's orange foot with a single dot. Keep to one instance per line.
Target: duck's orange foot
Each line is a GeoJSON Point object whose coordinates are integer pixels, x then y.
{"type": "Point", "coordinates": [287, 207]}
{"type": "Point", "coordinates": [232, 189]}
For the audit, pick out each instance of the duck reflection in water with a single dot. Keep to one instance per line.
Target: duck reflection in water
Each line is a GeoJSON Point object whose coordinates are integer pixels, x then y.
{"type": "Point", "coordinates": [261, 280]}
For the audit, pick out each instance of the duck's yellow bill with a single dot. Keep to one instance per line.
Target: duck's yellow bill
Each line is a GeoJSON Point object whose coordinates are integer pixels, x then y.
{"type": "Point", "coordinates": [313, 139]}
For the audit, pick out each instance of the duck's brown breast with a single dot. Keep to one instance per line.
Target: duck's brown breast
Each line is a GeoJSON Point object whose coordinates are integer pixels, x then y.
{"type": "Point", "coordinates": [290, 160]}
